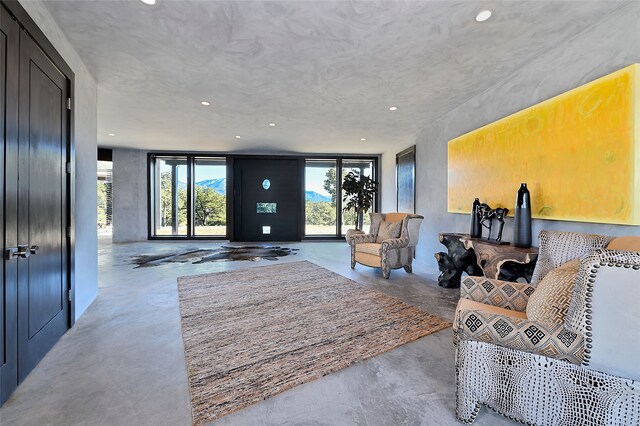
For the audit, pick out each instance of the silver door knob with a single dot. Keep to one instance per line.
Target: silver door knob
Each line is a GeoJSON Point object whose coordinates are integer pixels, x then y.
{"type": "Point", "coordinates": [23, 252]}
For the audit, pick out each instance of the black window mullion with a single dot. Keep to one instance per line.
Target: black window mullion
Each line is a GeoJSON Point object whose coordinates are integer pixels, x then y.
{"type": "Point", "coordinates": [339, 197]}
{"type": "Point", "coordinates": [190, 192]}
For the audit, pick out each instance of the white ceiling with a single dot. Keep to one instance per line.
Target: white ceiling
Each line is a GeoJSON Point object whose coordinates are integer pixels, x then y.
{"type": "Point", "coordinates": [324, 71]}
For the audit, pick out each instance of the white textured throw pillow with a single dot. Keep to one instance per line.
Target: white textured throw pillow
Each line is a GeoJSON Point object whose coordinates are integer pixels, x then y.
{"type": "Point", "coordinates": [389, 230]}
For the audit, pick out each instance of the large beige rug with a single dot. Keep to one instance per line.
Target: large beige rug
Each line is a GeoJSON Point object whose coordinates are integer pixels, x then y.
{"type": "Point", "coordinates": [254, 333]}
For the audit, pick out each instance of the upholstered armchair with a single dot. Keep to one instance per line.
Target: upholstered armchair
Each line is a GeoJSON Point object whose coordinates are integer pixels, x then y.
{"type": "Point", "coordinates": [562, 350]}
{"type": "Point", "coordinates": [390, 243]}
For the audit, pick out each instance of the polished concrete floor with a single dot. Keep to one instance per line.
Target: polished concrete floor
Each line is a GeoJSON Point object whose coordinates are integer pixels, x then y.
{"type": "Point", "coordinates": [123, 362]}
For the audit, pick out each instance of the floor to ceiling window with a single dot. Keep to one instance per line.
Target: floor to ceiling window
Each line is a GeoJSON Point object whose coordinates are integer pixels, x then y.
{"type": "Point", "coordinates": [364, 167]}
{"type": "Point", "coordinates": [210, 196]}
{"type": "Point", "coordinates": [320, 197]}
{"type": "Point", "coordinates": [105, 205]}
{"type": "Point", "coordinates": [170, 194]}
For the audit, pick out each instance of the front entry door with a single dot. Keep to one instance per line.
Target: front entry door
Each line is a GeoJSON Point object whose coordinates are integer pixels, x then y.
{"type": "Point", "coordinates": [267, 199]}
{"type": "Point", "coordinates": [43, 305]}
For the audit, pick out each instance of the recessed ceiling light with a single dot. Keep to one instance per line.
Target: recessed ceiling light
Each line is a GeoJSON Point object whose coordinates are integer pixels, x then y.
{"type": "Point", "coordinates": [205, 103]}
{"type": "Point", "coordinates": [272, 124]}
{"type": "Point", "coordinates": [393, 108]}
{"type": "Point", "coordinates": [483, 15]}
{"type": "Point", "coordinates": [363, 139]}
{"type": "Point", "coordinates": [111, 134]}
{"type": "Point", "coordinates": [237, 137]}
{"type": "Point", "coordinates": [149, 1]}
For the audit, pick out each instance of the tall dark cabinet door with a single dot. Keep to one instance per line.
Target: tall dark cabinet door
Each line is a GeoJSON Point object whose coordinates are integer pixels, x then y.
{"type": "Point", "coordinates": [42, 276]}
{"type": "Point", "coordinates": [9, 51]}
{"type": "Point", "coordinates": [267, 194]}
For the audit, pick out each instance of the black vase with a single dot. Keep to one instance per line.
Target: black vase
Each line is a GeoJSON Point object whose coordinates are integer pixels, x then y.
{"type": "Point", "coordinates": [522, 223]}
{"type": "Point", "coordinates": [476, 226]}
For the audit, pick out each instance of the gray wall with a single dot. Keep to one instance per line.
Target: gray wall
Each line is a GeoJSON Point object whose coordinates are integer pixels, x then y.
{"type": "Point", "coordinates": [129, 195]}
{"type": "Point", "coordinates": [85, 108]}
{"type": "Point", "coordinates": [601, 49]}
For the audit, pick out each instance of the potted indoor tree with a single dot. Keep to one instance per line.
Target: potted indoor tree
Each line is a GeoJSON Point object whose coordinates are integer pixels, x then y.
{"type": "Point", "coordinates": [359, 192]}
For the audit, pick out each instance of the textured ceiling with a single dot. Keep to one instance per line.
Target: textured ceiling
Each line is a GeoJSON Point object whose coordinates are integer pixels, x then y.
{"type": "Point", "coordinates": [324, 71]}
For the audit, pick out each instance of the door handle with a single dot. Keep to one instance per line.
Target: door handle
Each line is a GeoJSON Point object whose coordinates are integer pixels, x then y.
{"type": "Point", "coordinates": [22, 251]}
{"type": "Point", "coordinates": [11, 253]}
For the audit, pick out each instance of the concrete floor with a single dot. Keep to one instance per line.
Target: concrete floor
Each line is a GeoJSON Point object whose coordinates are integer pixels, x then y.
{"type": "Point", "coordinates": [123, 362]}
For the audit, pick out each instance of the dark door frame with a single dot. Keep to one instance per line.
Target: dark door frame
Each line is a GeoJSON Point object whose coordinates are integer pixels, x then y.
{"type": "Point", "coordinates": [16, 12]}
{"type": "Point", "coordinates": [411, 151]}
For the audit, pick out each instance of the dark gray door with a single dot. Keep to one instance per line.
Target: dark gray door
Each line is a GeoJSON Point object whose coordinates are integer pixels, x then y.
{"type": "Point", "coordinates": [267, 199]}
{"type": "Point", "coordinates": [9, 59]}
{"type": "Point", "coordinates": [42, 192]}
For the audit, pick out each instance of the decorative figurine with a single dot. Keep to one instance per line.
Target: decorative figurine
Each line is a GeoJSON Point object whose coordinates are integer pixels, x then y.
{"type": "Point", "coordinates": [488, 215]}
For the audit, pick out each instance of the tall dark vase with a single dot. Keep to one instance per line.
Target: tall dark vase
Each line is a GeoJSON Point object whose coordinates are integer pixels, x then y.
{"type": "Point", "coordinates": [476, 226]}
{"type": "Point", "coordinates": [522, 223]}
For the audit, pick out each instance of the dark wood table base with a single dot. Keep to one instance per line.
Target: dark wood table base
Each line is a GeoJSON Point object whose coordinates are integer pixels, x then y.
{"type": "Point", "coordinates": [477, 257]}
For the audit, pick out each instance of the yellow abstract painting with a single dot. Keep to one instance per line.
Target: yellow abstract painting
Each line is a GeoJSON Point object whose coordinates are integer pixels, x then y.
{"type": "Point", "coordinates": [578, 152]}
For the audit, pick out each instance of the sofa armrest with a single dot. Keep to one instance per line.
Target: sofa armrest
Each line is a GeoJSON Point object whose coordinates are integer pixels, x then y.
{"type": "Point", "coordinates": [498, 293]}
{"type": "Point", "coordinates": [605, 306]}
{"type": "Point", "coordinates": [550, 340]}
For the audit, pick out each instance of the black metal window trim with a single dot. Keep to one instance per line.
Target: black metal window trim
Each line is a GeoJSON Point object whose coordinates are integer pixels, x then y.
{"type": "Point", "coordinates": [191, 156]}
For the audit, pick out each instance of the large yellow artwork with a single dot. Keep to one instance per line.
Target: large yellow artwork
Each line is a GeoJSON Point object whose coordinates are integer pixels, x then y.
{"type": "Point", "coordinates": [579, 153]}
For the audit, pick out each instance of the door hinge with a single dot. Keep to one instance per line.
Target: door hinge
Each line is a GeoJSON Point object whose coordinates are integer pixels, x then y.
{"type": "Point", "coordinates": [69, 104]}
{"type": "Point", "coordinates": [69, 167]}
{"type": "Point", "coordinates": [69, 295]}
{"type": "Point", "coordinates": [68, 232]}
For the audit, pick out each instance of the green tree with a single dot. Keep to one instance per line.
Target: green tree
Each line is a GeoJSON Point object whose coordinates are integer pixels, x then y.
{"type": "Point", "coordinates": [102, 204]}
{"type": "Point", "coordinates": [320, 213]}
{"type": "Point", "coordinates": [166, 214]}
{"type": "Point", "coordinates": [210, 208]}
{"type": "Point", "coordinates": [330, 184]}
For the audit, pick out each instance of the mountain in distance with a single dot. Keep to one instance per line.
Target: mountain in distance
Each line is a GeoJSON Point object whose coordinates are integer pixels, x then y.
{"type": "Point", "coordinates": [314, 197]}
{"type": "Point", "coordinates": [218, 185]}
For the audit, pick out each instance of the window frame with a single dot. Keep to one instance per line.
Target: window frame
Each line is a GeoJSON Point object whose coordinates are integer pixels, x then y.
{"type": "Point", "coordinates": [228, 157]}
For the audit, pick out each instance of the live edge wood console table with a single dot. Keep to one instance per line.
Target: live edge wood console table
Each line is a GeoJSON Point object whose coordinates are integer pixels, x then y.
{"type": "Point", "coordinates": [477, 257]}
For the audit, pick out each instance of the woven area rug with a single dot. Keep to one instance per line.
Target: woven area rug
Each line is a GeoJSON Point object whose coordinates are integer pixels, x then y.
{"type": "Point", "coordinates": [253, 333]}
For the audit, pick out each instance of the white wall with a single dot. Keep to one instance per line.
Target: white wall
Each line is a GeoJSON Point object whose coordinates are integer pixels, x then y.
{"type": "Point", "coordinates": [601, 49]}
{"type": "Point", "coordinates": [85, 108]}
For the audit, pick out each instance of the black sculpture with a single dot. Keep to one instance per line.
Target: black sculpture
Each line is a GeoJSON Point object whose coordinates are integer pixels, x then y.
{"type": "Point", "coordinates": [457, 260]}
{"type": "Point", "coordinates": [488, 215]}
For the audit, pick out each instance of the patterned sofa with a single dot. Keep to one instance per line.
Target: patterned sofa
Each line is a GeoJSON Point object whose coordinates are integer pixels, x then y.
{"type": "Point", "coordinates": [573, 360]}
{"type": "Point", "coordinates": [382, 249]}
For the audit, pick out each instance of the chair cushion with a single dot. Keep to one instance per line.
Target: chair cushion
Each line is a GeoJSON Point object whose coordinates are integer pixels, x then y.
{"type": "Point", "coordinates": [389, 230]}
{"type": "Point", "coordinates": [550, 301]}
{"type": "Point", "coordinates": [472, 305]}
{"type": "Point", "coordinates": [369, 248]}
{"type": "Point", "coordinates": [625, 244]}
